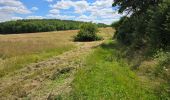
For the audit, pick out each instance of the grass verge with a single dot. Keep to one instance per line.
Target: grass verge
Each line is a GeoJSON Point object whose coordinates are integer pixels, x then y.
{"type": "Point", "coordinates": [106, 78]}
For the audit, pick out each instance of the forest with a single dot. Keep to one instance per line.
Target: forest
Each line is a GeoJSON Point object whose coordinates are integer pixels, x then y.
{"type": "Point", "coordinates": [40, 25]}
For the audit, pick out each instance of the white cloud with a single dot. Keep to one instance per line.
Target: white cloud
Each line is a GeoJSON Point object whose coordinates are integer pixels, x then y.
{"type": "Point", "coordinates": [11, 3]}
{"type": "Point", "coordinates": [9, 8]}
{"type": "Point", "coordinates": [13, 6]}
{"type": "Point", "coordinates": [35, 17]}
{"type": "Point", "coordinates": [49, 0]}
{"type": "Point", "coordinates": [100, 9]}
{"type": "Point", "coordinates": [63, 4]}
{"type": "Point", "coordinates": [58, 16]}
{"type": "Point", "coordinates": [105, 21]}
{"type": "Point", "coordinates": [34, 8]}
{"type": "Point", "coordinates": [5, 17]}
{"type": "Point", "coordinates": [12, 10]}
{"type": "Point", "coordinates": [54, 11]}
{"type": "Point", "coordinates": [16, 18]}
{"type": "Point", "coordinates": [85, 18]}
{"type": "Point", "coordinates": [103, 3]}
{"type": "Point", "coordinates": [81, 6]}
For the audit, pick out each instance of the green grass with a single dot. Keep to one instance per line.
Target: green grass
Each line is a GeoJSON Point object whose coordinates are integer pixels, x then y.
{"type": "Point", "coordinates": [106, 78]}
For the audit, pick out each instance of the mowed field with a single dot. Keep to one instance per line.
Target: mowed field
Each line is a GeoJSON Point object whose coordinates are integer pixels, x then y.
{"type": "Point", "coordinates": [51, 66]}
{"type": "Point", "coordinates": [18, 50]}
{"type": "Point", "coordinates": [38, 65]}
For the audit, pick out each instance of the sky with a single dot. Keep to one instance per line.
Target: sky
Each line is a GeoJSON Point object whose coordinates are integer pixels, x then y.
{"type": "Point", "coordinates": [97, 11]}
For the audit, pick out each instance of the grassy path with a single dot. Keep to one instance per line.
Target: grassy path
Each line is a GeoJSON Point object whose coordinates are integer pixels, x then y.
{"type": "Point", "coordinates": [107, 78]}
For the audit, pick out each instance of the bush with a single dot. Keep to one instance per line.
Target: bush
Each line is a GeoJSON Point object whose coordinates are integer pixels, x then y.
{"type": "Point", "coordinates": [163, 61]}
{"type": "Point", "coordinates": [87, 33]}
{"type": "Point", "coordinates": [124, 31]}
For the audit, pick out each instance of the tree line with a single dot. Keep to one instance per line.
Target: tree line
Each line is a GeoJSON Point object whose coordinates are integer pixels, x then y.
{"type": "Point", "coordinates": [148, 23]}
{"type": "Point", "coordinates": [40, 25]}
{"type": "Point", "coordinates": [145, 32]}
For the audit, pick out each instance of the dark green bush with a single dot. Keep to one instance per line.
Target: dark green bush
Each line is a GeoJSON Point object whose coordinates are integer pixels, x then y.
{"type": "Point", "coordinates": [124, 30]}
{"type": "Point", "coordinates": [158, 25]}
{"type": "Point", "coordinates": [87, 33]}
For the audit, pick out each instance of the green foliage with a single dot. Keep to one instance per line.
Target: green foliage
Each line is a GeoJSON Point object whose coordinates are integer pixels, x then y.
{"type": "Point", "coordinates": [157, 28]}
{"type": "Point", "coordinates": [150, 28]}
{"type": "Point", "coordinates": [36, 25]}
{"type": "Point", "coordinates": [163, 61]}
{"type": "Point", "coordinates": [117, 24]}
{"type": "Point", "coordinates": [88, 32]}
{"type": "Point", "coordinates": [145, 31]}
{"type": "Point", "coordinates": [162, 70]}
{"type": "Point", "coordinates": [125, 29]}
{"type": "Point", "coordinates": [135, 6]}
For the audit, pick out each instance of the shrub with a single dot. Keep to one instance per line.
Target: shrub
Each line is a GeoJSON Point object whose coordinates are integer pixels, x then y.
{"type": "Point", "coordinates": [124, 31]}
{"type": "Point", "coordinates": [87, 33]}
{"type": "Point", "coordinates": [163, 60]}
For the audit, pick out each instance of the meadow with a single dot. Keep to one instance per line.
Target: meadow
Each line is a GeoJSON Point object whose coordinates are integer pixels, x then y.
{"type": "Point", "coordinates": [51, 65]}
{"type": "Point", "coordinates": [18, 50]}
{"type": "Point", "coordinates": [31, 58]}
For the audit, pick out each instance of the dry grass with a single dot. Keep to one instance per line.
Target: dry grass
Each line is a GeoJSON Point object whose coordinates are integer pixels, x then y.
{"type": "Point", "coordinates": [21, 44]}
{"type": "Point", "coordinates": [108, 30]}
{"type": "Point", "coordinates": [44, 78]}
{"type": "Point", "coordinates": [18, 50]}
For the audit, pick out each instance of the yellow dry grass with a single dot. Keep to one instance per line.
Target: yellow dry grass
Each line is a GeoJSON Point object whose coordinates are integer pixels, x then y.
{"type": "Point", "coordinates": [42, 77]}
{"type": "Point", "coordinates": [106, 33]}
{"type": "Point", "coordinates": [18, 50]}
{"type": "Point", "coordinates": [21, 44]}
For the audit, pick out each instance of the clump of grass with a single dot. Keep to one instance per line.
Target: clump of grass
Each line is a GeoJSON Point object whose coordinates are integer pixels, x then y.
{"type": "Point", "coordinates": [106, 78]}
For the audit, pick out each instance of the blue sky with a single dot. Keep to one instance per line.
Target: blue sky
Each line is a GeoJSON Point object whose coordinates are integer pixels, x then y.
{"type": "Point", "coordinates": [97, 11]}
